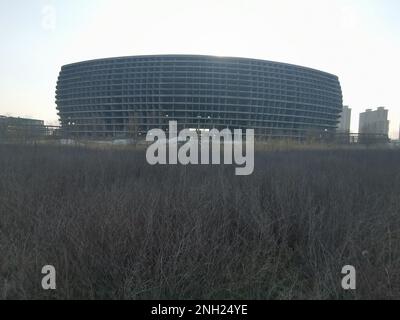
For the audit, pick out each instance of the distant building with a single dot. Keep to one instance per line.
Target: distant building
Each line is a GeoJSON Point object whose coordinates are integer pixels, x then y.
{"type": "Point", "coordinates": [21, 121]}
{"type": "Point", "coordinates": [345, 120]}
{"type": "Point", "coordinates": [374, 122]}
{"type": "Point", "coordinates": [11, 127]}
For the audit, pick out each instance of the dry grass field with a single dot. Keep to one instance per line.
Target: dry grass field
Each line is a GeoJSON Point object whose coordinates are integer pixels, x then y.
{"type": "Point", "coordinates": [116, 228]}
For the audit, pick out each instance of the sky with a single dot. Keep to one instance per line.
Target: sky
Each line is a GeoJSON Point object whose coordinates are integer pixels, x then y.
{"type": "Point", "coordinates": [358, 40]}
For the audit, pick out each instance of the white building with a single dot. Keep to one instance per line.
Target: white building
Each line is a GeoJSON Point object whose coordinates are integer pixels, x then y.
{"type": "Point", "coordinates": [345, 120]}
{"type": "Point", "coordinates": [374, 122]}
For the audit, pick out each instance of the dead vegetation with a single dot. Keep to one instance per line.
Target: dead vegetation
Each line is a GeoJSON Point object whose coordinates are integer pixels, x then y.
{"type": "Point", "coordinates": [116, 228]}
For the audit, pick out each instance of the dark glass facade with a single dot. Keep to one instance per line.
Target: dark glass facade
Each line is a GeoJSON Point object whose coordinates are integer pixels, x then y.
{"type": "Point", "coordinates": [127, 96]}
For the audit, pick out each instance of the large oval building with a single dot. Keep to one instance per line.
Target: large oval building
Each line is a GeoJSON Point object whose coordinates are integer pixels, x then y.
{"type": "Point", "coordinates": [127, 96]}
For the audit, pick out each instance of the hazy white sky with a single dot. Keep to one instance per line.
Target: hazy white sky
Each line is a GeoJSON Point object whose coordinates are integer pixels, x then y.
{"type": "Point", "coordinates": [358, 40]}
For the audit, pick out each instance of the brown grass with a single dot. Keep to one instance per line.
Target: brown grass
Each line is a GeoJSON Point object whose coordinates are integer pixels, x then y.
{"type": "Point", "coordinates": [116, 228]}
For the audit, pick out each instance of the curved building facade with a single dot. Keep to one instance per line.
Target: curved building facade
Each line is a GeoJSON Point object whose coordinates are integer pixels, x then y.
{"type": "Point", "coordinates": [127, 96]}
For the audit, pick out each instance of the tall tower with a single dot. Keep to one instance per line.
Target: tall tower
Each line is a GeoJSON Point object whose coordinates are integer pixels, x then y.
{"type": "Point", "coordinates": [374, 122]}
{"type": "Point", "coordinates": [345, 120]}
